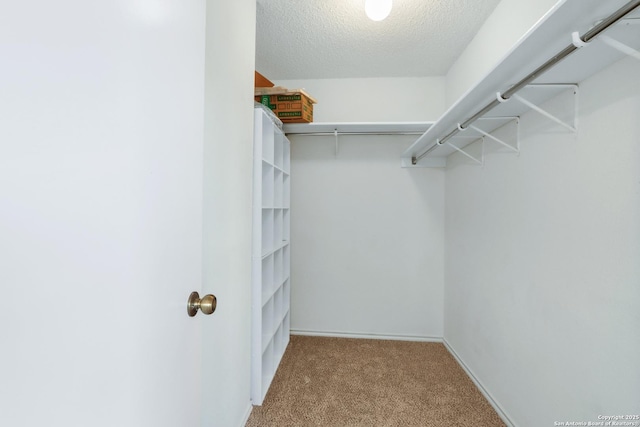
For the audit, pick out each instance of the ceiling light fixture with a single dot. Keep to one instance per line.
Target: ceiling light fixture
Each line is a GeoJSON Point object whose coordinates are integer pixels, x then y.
{"type": "Point", "coordinates": [377, 10]}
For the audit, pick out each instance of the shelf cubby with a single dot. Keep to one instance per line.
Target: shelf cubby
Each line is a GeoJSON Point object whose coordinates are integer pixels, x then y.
{"type": "Point", "coordinates": [267, 230]}
{"type": "Point", "coordinates": [278, 190]}
{"type": "Point", "coordinates": [278, 149]}
{"type": "Point", "coordinates": [286, 261]}
{"type": "Point", "coordinates": [268, 283]}
{"type": "Point", "coordinates": [268, 313]}
{"type": "Point", "coordinates": [268, 185]}
{"type": "Point", "coordinates": [277, 268]}
{"type": "Point", "coordinates": [267, 136]}
{"type": "Point", "coordinates": [286, 225]}
{"type": "Point", "coordinates": [286, 189]}
{"type": "Point", "coordinates": [286, 150]}
{"type": "Point", "coordinates": [278, 223]}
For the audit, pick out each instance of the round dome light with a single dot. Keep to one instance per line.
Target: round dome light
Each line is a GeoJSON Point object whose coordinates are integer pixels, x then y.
{"type": "Point", "coordinates": [377, 10]}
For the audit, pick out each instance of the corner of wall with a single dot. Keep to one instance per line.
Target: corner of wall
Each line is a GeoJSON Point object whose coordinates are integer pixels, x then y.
{"type": "Point", "coordinates": [227, 221]}
{"type": "Point", "coordinates": [510, 20]}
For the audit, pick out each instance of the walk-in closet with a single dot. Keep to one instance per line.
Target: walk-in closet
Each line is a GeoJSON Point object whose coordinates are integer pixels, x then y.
{"type": "Point", "coordinates": [493, 210]}
{"type": "Point", "coordinates": [423, 213]}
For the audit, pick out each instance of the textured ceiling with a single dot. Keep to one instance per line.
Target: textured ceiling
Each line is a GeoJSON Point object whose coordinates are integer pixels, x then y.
{"type": "Point", "coordinates": [316, 39]}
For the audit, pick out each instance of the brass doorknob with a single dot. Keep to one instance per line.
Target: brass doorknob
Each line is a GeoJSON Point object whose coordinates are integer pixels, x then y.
{"type": "Point", "coordinates": [206, 304]}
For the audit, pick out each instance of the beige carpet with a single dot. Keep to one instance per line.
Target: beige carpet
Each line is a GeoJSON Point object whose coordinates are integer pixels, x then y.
{"type": "Point", "coordinates": [338, 382]}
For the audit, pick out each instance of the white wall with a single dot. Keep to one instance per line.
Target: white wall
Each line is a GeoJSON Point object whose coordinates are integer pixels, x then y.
{"type": "Point", "coordinates": [374, 99]}
{"type": "Point", "coordinates": [542, 272]}
{"type": "Point", "coordinates": [366, 235]}
{"type": "Point", "coordinates": [510, 20]}
{"type": "Point", "coordinates": [228, 151]}
{"type": "Point", "coordinates": [366, 238]}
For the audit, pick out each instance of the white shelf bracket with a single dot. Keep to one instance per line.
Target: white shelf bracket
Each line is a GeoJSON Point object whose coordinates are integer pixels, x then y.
{"type": "Point", "coordinates": [335, 134]}
{"type": "Point", "coordinates": [479, 161]}
{"type": "Point", "coordinates": [573, 128]}
{"type": "Point", "coordinates": [499, 141]}
{"type": "Point", "coordinates": [620, 46]}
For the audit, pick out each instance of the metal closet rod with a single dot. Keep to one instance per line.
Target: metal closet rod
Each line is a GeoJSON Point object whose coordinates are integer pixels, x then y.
{"type": "Point", "coordinates": [597, 29]}
{"type": "Point", "coordinates": [390, 133]}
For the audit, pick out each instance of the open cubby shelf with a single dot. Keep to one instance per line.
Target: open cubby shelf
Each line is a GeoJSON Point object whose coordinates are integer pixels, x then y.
{"type": "Point", "coordinates": [271, 254]}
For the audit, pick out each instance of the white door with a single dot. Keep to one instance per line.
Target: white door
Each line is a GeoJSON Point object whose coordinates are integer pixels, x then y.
{"type": "Point", "coordinates": [101, 130]}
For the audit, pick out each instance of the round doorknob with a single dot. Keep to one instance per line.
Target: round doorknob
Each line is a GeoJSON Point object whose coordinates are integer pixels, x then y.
{"type": "Point", "coordinates": [206, 304]}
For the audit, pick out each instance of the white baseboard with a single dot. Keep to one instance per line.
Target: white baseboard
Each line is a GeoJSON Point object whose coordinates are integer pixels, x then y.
{"type": "Point", "coordinates": [247, 415]}
{"type": "Point", "coordinates": [371, 336]}
{"type": "Point", "coordinates": [501, 413]}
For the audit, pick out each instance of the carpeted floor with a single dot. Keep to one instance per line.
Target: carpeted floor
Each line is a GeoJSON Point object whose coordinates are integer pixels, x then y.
{"type": "Point", "coordinates": [339, 382]}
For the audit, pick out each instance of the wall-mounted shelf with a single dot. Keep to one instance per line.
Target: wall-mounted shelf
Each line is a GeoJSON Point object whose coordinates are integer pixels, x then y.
{"type": "Point", "coordinates": [357, 128]}
{"type": "Point", "coordinates": [551, 35]}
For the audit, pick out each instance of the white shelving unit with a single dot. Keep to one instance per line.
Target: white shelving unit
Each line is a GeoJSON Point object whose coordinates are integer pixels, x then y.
{"type": "Point", "coordinates": [552, 34]}
{"type": "Point", "coordinates": [271, 287]}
